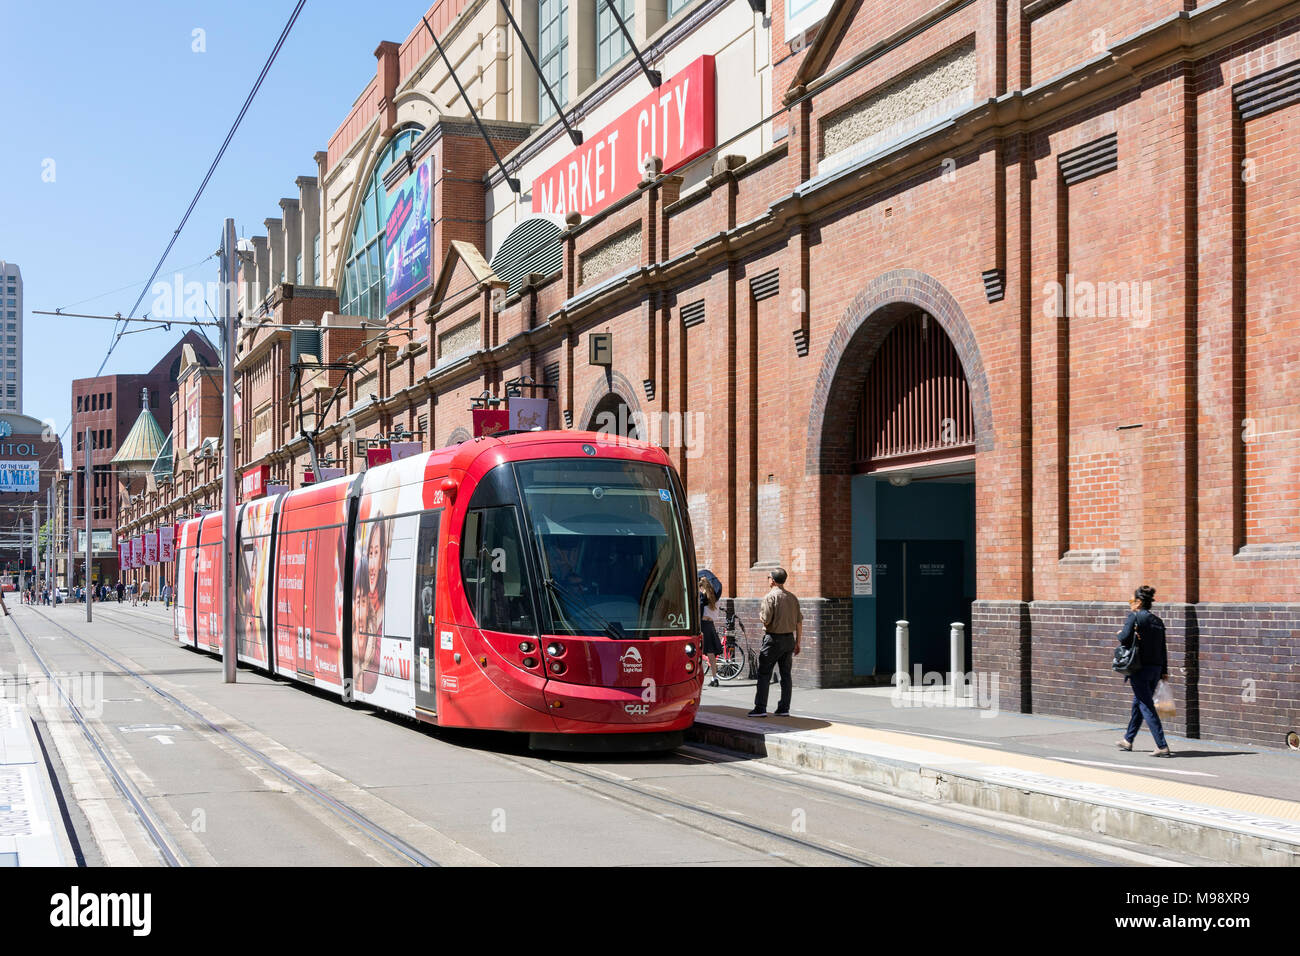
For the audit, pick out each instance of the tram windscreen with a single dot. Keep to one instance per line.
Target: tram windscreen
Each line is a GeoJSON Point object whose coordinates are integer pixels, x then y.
{"type": "Point", "coordinates": [609, 543]}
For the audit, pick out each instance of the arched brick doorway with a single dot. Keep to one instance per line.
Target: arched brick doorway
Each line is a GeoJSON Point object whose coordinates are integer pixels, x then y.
{"type": "Point", "coordinates": [904, 342]}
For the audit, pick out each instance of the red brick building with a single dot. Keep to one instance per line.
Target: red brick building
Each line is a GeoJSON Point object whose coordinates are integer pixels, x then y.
{"type": "Point", "coordinates": [109, 406]}
{"type": "Point", "coordinates": [1000, 312]}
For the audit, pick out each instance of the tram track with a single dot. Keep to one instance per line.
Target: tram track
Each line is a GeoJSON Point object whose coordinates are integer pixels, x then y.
{"type": "Point", "coordinates": [336, 807]}
{"type": "Point", "coordinates": [727, 826]}
{"type": "Point", "coordinates": [153, 828]}
{"type": "Point", "coordinates": [600, 784]}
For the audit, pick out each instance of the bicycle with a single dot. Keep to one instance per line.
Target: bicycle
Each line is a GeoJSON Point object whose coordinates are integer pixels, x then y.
{"type": "Point", "coordinates": [739, 656]}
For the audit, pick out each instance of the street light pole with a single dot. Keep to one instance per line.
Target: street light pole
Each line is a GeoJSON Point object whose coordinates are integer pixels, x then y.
{"type": "Point", "coordinates": [228, 320]}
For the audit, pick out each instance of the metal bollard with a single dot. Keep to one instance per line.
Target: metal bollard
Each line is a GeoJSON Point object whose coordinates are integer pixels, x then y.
{"type": "Point", "coordinates": [901, 655]}
{"type": "Point", "coordinates": [957, 655]}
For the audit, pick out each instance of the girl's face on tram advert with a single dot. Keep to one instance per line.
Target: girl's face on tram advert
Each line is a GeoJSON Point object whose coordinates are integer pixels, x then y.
{"type": "Point", "coordinates": [374, 557]}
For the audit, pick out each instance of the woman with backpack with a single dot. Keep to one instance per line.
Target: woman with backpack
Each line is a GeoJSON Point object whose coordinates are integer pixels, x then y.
{"type": "Point", "coordinates": [1149, 631]}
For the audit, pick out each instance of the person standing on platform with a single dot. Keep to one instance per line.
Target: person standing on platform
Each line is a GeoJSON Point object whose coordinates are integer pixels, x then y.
{"type": "Point", "coordinates": [783, 623]}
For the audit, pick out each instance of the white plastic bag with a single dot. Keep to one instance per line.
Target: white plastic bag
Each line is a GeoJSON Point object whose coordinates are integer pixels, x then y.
{"type": "Point", "coordinates": [1164, 700]}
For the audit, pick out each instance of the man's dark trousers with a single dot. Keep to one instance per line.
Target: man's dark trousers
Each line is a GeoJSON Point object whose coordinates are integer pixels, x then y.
{"type": "Point", "coordinates": [777, 651]}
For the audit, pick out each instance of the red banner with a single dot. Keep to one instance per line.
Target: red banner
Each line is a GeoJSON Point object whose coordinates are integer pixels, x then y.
{"type": "Point", "coordinates": [151, 547]}
{"type": "Point", "coordinates": [255, 480]}
{"type": "Point", "coordinates": [137, 552]}
{"type": "Point", "coordinates": [166, 543]}
{"type": "Point", "coordinates": [675, 122]}
{"type": "Point", "coordinates": [489, 421]}
{"type": "Point", "coordinates": [378, 456]}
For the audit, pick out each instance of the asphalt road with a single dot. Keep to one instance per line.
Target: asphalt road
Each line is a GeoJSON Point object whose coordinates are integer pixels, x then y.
{"type": "Point", "coordinates": [176, 767]}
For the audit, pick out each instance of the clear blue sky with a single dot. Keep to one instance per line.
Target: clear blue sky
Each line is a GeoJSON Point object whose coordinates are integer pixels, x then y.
{"type": "Point", "coordinates": [131, 116]}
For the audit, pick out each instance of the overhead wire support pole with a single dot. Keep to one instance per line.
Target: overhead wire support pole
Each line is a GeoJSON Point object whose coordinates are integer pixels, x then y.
{"type": "Point", "coordinates": [574, 135]}
{"type": "Point", "coordinates": [654, 76]}
{"type": "Point", "coordinates": [229, 321]}
{"type": "Point", "coordinates": [86, 506]}
{"type": "Point", "coordinates": [512, 182]}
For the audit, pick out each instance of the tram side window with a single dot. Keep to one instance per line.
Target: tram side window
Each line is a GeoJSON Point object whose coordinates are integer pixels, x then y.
{"type": "Point", "coordinates": [492, 567]}
{"type": "Point", "coordinates": [426, 574]}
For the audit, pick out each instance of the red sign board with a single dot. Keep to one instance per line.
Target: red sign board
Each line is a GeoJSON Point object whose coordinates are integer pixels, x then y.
{"type": "Point", "coordinates": [489, 421]}
{"type": "Point", "coordinates": [255, 480]}
{"type": "Point", "coordinates": [378, 456]}
{"type": "Point", "coordinates": [675, 122]}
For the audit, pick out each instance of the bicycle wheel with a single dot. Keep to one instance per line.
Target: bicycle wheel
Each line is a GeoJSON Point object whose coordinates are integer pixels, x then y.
{"type": "Point", "coordinates": [730, 667]}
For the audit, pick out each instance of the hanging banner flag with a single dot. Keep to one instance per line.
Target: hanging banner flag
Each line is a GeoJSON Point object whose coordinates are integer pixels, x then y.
{"type": "Point", "coordinates": [137, 551]}
{"type": "Point", "coordinates": [405, 449]}
{"type": "Point", "coordinates": [255, 481]}
{"type": "Point", "coordinates": [675, 122]}
{"type": "Point", "coordinates": [378, 456]}
{"type": "Point", "coordinates": [489, 421]}
{"type": "Point", "coordinates": [151, 547]}
{"type": "Point", "coordinates": [166, 540]}
{"type": "Point", "coordinates": [527, 414]}
{"type": "Point", "coordinates": [124, 554]}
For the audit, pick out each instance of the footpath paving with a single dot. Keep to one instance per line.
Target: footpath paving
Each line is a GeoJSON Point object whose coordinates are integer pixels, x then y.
{"type": "Point", "coordinates": [1226, 803]}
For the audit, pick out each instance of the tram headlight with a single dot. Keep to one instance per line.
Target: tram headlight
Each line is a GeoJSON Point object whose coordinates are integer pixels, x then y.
{"type": "Point", "coordinates": [690, 668]}
{"type": "Point", "coordinates": [690, 650]}
{"type": "Point", "coordinates": [530, 662]}
{"type": "Point", "coordinates": [526, 647]}
{"type": "Point", "coordinates": [557, 667]}
{"type": "Point", "coordinates": [555, 649]}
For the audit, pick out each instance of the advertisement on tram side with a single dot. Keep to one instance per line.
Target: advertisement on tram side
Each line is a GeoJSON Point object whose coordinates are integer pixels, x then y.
{"type": "Point", "coordinates": [309, 597]}
{"type": "Point", "coordinates": [207, 590]}
{"type": "Point", "coordinates": [383, 608]}
{"type": "Point", "coordinates": [253, 580]}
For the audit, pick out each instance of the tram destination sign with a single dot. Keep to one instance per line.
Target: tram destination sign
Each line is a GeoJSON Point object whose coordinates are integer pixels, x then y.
{"type": "Point", "coordinates": [676, 122]}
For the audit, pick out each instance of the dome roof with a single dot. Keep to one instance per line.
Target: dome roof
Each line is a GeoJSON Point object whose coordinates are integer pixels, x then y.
{"type": "Point", "coordinates": [143, 442]}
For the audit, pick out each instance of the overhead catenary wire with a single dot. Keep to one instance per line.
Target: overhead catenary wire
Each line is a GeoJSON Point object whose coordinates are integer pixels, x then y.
{"type": "Point", "coordinates": [203, 185]}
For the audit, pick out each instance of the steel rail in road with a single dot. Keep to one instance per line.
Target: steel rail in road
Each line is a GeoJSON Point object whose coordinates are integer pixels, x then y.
{"type": "Point", "coordinates": [157, 833]}
{"type": "Point", "coordinates": [359, 820]}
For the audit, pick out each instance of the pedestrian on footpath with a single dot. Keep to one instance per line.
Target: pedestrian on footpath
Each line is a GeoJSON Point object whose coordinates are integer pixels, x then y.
{"type": "Point", "coordinates": [121, 590]}
{"type": "Point", "coordinates": [783, 623]}
{"type": "Point", "coordinates": [710, 645]}
{"type": "Point", "coordinates": [144, 592]}
{"type": "Point", "coordinates": [167, 595]}
{"type": "Point", "coordinates": [1148, 630]}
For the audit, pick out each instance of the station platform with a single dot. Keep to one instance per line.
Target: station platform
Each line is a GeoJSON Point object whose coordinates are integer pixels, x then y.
{"type": "Point", "coordinates": [1225, 803]}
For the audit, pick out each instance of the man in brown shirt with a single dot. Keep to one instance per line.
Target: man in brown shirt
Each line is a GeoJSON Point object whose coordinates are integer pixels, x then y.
{"type": "Point", "coordinates": [783, 622]}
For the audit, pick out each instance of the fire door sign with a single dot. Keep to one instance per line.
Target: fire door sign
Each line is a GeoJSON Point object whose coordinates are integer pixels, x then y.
{"type": "Point", "coordinates": [676, 122]}
{"type": "Point", "coordinates": [862, 580]}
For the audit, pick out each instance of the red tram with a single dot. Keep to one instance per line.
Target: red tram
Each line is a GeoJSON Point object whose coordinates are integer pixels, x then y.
{"type": "Point", "coordinates": [541, 582]}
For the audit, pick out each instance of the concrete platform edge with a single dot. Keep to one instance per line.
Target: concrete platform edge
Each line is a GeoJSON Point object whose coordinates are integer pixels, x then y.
{"type": "Point", "coordinates": [1219, 843]}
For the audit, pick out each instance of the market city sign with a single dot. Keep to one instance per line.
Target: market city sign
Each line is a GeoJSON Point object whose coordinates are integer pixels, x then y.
{"type": "Point", "coordinates": [675, 122]}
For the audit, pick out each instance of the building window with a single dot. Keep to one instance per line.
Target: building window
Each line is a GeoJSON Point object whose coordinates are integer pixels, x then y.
{"type": "Point", "coordinates": [78, 403]}
{"type": "Point", "coordinates": [552, 53]}
{"type": "Point", "coordinates": [611, 45]}
{"type": "Point", "coordinates": [298, 271]}
{"type": "Point", "coordinates": [108, 397]}
{"type": "Point", "coordinates": [317, 278]}
{"type": "Point", "coordinates": [677, 6]}
{"type": "Point", "coordinates": [363, 271]}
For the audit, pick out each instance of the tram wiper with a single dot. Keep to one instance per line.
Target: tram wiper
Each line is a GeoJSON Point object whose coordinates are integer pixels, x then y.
{"type": "Point", "coordinates": [611, 628]}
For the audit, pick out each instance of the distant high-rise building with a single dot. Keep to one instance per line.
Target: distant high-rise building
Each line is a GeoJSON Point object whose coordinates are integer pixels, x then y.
{"type": "Point", "coordinates": [11, 337]}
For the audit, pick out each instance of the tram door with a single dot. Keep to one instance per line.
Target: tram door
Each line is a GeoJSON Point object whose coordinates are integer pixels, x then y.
{"type": "Point", "coordinates": [426, 592]}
